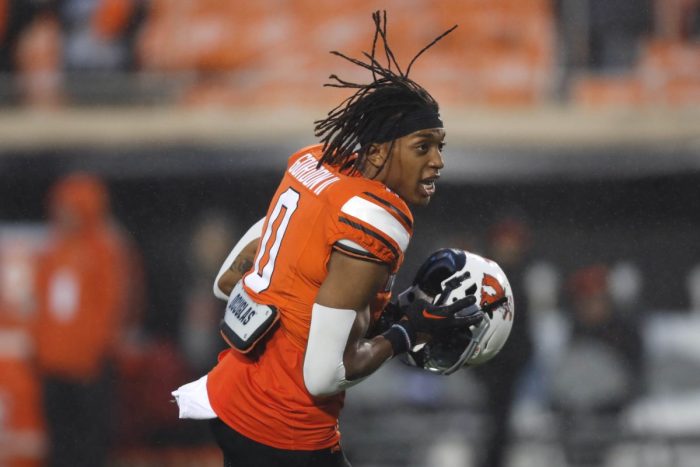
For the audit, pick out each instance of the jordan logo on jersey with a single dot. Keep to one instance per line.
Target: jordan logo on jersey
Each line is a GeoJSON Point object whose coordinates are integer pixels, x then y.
{"type": "Point", "coordinates": [306, 172]}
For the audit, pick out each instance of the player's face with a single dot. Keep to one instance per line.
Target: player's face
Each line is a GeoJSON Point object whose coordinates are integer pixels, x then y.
{"type": "Point", "coordinates": [414, 165]}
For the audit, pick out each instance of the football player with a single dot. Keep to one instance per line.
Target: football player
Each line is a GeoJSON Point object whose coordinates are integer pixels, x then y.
{"type": "Point", "coordinates": [305, 283]}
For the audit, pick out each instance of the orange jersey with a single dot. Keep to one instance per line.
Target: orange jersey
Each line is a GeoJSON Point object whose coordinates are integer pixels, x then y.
{"type": "Point", "coordinates": [80, 293]}
{"type": "Point", "coordinates": [81, 283]}
{"type": "Point", "coordinates": [314, 211]}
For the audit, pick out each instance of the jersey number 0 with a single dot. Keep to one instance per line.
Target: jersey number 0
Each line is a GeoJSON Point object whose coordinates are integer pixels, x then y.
{"type": "Point", "coordinates": [259, 278]}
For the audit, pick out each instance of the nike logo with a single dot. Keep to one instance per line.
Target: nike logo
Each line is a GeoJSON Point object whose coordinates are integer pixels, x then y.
{"type": "Point", "coordinates": [427, 314]}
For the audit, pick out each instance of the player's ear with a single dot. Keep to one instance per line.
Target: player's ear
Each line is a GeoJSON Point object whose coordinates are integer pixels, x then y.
{"type": "Point", "coordinates": [377, 154]}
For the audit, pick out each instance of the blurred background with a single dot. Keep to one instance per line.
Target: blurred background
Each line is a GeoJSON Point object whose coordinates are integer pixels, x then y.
{"type": "Point", "coordinates": [140, 138]}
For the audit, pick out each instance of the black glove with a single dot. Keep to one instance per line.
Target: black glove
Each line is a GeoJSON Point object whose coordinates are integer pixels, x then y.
{"type": "Point", "coordinates": [390, 315]}
{"type": "Point", "coordinates": [423, 316]}
{"type": "Point", "coordinates": [429, 318]}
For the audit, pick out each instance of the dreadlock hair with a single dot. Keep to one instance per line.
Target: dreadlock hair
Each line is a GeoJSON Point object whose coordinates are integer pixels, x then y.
{"type": "Point", "coordinates": [389, 107]}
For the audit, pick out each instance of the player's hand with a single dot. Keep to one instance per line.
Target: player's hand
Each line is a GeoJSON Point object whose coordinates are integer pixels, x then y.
{"type": "Point", "coordinates": [418, 321]}
{"type": "Point", "coordinates": [424, 317]}
{"type": "Point", "coordinates": [390, 315]}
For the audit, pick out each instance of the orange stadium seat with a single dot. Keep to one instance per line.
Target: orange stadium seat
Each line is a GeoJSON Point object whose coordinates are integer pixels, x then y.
{"type": "Point", "coordinates": [502, 52]}
{"type": "Point", "coordinates": [670, 69]}
{"type": "Point", "coordinates": [323, 27]}
{"type": "Point", "coordinates": [210, 35]}
{"type": "Point", "coordinates": [668, 74]}
{"type": "Point", "coordinates": [609, 91]}
{"type": "Point", "coordinates": [671, 58]}
{"type": "Point", "coordinates": [502, 49]}
{"type": "Point", "coordinates": [111, 17]}
{"type": "Point", "coordinates": [682, 92]}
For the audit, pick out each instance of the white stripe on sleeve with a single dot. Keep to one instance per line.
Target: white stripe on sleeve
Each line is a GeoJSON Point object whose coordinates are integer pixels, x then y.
{"type": "Point", "coordinates": [379, 218]}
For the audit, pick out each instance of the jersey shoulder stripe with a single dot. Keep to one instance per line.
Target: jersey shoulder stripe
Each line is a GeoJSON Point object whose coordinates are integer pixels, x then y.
{"type": "Point", "coordinates": [398, 212]}
{"type": "Point", "coordinates": [351, 248]}
{"type": "Point", "coordinates": [378, 218]}
{"type": "Point", "coordinates": [370, 232]}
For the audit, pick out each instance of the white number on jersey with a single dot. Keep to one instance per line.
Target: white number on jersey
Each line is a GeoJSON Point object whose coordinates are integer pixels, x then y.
{"type": "Point", "coordinates": [259, 279]}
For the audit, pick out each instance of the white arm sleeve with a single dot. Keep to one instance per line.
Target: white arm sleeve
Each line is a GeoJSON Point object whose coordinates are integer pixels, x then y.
{"type": "Point", "coordinates": [254, 232]}
{"type": "Point", "coordinates": [324, 371]}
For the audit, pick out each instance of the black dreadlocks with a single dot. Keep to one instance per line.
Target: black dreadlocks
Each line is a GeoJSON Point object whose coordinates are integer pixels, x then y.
{"type": "Point", "coordinates": [389, 107]}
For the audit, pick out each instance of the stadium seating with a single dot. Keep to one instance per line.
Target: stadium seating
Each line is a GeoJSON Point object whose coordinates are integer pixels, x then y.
{"type": "Point", "coordinates": [275, 53]}
{"type": "Point", "coordinates": [667, 75]}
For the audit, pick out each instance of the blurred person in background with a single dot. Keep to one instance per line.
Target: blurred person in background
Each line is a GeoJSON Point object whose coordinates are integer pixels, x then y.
{"type": "Point", "coordinates": [99, 35]}
{"type": "Point", "coordinates": [82, 291]}
{"type": "Point", "coordinates": [199, 329]}
{"type": "Point", "coordinates": [601, 36]}
{"type": "Point", "coordinates": [22, 432]}
{"type": "Point", "coordinates": [508, 243]}
{"type": "Point", "coordinates": [15, 17]}
{"type": "Point", "coordinates": [40, 40]}
{"type": "Point", "coordinates": [600, 371]}
{"type": "Point", "coordinates": [617, 28]}
{"type": "Point", "coordinates": [677, 20]}
{"type": "Point", "coordinates": [30, 52]}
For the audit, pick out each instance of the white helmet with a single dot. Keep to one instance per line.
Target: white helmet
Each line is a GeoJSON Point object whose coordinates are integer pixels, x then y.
{"type": "Point", "coordinates": [446, 276]}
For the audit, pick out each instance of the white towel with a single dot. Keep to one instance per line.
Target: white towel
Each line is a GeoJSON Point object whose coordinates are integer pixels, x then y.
{"type": "Point", "coordinates": [193, 400]}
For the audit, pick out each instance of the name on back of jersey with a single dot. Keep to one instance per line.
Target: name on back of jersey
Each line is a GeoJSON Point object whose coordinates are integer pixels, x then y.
{"type": "Point", "coordinates": [306, 171]}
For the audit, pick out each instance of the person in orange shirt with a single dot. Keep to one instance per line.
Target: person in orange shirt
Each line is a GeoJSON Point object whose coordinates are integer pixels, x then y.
{"type": "Point", "coordinates": [81, 292]}
{"type": "Point", "coordinates": [317, 273]}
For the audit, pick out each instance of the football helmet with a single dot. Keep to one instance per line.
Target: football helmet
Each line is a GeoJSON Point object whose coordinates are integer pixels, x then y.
{"type": "Point", "coordinates": [446, 276]}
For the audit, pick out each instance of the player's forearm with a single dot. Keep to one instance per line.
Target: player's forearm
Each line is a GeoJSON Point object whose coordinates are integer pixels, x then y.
{"type": "Point", "coordinates": [241, 249]}
{"type": "Point", "coordinates": [366, 357]}
{"type": "Point", "coordinates": [241, 264]}
{"type": "Point", "coordinates": [336, 358]}
{"type": "Point", "coordinates": [337, 355]}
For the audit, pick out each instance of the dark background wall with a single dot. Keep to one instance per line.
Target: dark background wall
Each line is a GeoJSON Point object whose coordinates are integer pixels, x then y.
{"type": "Point", "coordinates": [652, 221]}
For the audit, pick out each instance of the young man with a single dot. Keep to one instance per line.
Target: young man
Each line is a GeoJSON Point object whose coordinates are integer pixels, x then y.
{"type": "Point", "coordinates": [323, 259]}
